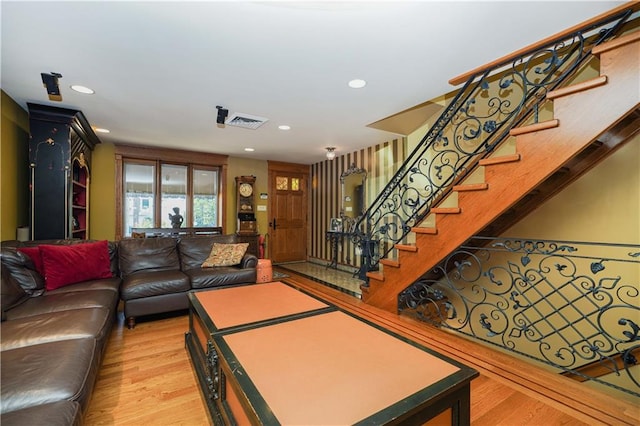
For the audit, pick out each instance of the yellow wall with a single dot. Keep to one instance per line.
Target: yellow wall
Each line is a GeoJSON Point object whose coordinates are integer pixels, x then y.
{"type": "Point", "coordinates": [246, 167]}
{"type": "Point", "coordinates": [601, 206]}
{"type": "Point", "coordinates": [14, 177]}
{"type": "Point", "coordinates": [102, 207]}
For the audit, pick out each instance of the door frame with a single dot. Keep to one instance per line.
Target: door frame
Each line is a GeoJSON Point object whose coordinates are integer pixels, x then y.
{"type": "Point", "coordinates": [273, 168]}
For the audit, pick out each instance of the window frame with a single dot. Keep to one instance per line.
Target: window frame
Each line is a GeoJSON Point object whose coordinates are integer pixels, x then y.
{"type": "Point", "coordinates": [191, 159]}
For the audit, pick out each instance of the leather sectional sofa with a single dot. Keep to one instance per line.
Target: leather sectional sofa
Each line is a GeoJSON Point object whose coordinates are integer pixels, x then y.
{"type": "Point", "coordinates": [157, 273]}
{"type": "Point", "coordinates": [53, 339]}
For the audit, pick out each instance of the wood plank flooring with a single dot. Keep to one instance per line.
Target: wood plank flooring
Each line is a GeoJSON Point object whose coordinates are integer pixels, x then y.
{"type": "Point", "coordinates": [147, 379]}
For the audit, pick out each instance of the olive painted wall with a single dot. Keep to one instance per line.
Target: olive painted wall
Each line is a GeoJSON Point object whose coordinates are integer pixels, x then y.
{"type": "Point", "coordinates": [102, 207]}
{"type": "Point", "coordinates": [601, 206]}
{"type": "Point", "coordinates": [246, 167]}
{"type": "Point", "coordinates": [14, 177]}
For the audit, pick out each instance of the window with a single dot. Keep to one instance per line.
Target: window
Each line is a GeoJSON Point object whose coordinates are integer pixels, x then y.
{"type": "Point", "coordinates": [173, 195]}
{"type": "Point", "coordinates": [165, 191]}
{"type": "Point", "coordinates": [205, 183]}
{"type": "Point", "coordinates": [139, 196]}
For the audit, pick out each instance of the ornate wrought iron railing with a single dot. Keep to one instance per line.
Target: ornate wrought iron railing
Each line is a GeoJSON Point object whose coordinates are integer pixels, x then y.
{"type": "Point", "coordinates": [476, 121]}
{"type": "Point", "coordinates": [572, 305]}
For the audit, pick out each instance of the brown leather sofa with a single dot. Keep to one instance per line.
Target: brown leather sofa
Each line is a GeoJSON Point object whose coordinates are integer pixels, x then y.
{"type": "Point", "coordinates": [52, 342]}
{"type": "Point", "coordinates": [157, 273]}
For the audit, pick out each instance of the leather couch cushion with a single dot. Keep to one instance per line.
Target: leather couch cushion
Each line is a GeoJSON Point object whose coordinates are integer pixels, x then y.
{"type": "Point", "coordinates": [148, 254]}
{"type": "Point", "coordinates": [49, 372]}
{"type": "Point", "coordinates": [195, 250]}
{"type": "Point", "coordinates": [112, 284]}
{"type": "Point", "coordinates": [64, 265]}
{"type": "Point", "coordinates": [21, 267]}
{"type": "Point", "coordinates": [65, 325]}
{"type": "Point", "coordinates": [12, 294]}
{"type": "Point", "coordinates": [145, 284]}
{"type": "Point", "coordinates": [156, 304]}
{"type": "Point", "coordinates": [59, 302]}
{"type": "Point", "coordinates": [219, 276]}
{"type": "Point", "coordinates": [61, 413]}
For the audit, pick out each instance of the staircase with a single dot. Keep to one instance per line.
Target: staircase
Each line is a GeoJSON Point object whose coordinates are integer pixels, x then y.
{"type": "Point", "coordinates": [590, 120]}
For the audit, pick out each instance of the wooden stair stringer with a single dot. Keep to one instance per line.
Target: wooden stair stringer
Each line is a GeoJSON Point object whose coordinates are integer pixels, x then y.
{"type": "Point", "coordinates": [582, 116]}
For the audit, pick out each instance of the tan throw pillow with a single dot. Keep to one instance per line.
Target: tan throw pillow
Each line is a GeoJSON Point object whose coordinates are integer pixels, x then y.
{"type": "Point", "coordinates": [225, 254]}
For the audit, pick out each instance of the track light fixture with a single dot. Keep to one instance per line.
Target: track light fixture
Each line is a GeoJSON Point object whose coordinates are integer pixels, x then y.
{"type": "Point", "coordinates": [50, 81]}
{"type": "Point", "coordinates": [222, 114]}
{"type": "Point", "coordinates": [331, 152]}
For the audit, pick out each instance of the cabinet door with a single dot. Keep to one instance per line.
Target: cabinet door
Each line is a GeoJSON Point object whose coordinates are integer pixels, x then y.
{"type": "Point", "coordinates": [49, 185]}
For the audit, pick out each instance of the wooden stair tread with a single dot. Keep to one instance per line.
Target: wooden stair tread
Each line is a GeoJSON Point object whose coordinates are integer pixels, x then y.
{"type": "Point", "coordinates": [406, 247]}
{"type": "Point", "coordinates": [446, 210]}
{"type": "Point", "coordinates": [390, 262]}
{"type": "Point", "coordinates": [378, 276]}
{"type": "Point", "coordinates": [499, 160]}
{"type": "Point", "coordinates": [585, 85]}
{"type": "Point", "coordinates": [534, 127]}
{"type": "Point", "coordinates": [471, 187]}
{"type": "Point", "coordinates": [425, 230]}
{"type": "Point", "coordinates": [618, 42]}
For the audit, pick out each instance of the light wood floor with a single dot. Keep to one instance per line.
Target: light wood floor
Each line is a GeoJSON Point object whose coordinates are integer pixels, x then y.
{"type": "Point", "coordinates": [146, 379]}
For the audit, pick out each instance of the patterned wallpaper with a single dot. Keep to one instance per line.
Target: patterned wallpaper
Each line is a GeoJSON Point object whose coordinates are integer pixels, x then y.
{"type": "Point", "coordinates": [381, 162]}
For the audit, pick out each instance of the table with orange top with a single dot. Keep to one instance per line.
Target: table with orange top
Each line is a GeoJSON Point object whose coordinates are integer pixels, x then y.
{"type": "Point", "coordinates": [271, 354]}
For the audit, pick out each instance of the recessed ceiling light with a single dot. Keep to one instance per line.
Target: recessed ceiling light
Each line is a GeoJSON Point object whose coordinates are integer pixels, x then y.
{"type": "Point", "coordinates": [82, 89]}
{"type": "Point", "coordinates": [357, 83]}
{"type": "Point", "coordinates": [249, 149]}
{"type": "Point", "coordinates": [101, 130]}
{"type": "Point", "coordinates": [284, 127]}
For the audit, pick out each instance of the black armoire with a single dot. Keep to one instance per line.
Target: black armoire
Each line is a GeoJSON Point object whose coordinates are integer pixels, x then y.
{"type": "Point", "coordinates": [60, 145]}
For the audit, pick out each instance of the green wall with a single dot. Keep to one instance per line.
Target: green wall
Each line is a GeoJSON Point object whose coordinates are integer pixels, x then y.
{"type": "Point", "coordinates": [14, 177]}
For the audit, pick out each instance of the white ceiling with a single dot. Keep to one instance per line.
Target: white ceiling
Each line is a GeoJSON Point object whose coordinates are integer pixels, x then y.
{"type": "Point", "coordinates": [160, 68]}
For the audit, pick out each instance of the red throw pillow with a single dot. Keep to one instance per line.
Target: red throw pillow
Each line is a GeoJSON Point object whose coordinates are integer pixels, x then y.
{"type": "Point", "coordinates": [35, 256]}
{"type": "Point", "coordinates": [64, 265]}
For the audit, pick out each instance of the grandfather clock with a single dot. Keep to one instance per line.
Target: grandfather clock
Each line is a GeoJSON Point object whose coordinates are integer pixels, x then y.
{"type": "Point", "coordinates": [245, 205]}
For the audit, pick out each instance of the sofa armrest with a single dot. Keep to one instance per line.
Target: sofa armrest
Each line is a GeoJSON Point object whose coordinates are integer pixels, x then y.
{"type": "Point", "coordinates": [248, 261]}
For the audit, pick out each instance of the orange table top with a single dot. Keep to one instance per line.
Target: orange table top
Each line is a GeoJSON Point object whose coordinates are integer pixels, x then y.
{"type": "Point", "coordinates": [331, 369]}
{"type": "Point", "coordinates": [234, 306]}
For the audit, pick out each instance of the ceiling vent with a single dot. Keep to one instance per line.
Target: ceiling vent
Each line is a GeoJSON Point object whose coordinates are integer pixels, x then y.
{"type": "Point", "coordinates": [246, 121]}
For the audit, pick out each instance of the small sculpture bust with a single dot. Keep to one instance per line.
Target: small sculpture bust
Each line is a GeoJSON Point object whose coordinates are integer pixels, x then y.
{"type": "Point", "coordinates": [176, 219]}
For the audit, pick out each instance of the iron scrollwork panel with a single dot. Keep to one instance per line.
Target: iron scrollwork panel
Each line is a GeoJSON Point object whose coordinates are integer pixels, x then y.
{"type": "Point", "coordinates": [571, 305]}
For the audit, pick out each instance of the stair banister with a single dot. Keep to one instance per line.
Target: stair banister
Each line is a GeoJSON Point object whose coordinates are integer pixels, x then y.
{"type": "Point", "coordinates": [400, 206]}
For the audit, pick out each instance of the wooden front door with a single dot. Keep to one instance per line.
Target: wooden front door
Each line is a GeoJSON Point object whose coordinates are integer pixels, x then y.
{"type": "Point", "coordinates": [288, 186]}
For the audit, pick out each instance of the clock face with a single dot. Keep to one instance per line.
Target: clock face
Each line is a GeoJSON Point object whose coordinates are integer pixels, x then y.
{"type": "Point", "coordinates": [245, 189]}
